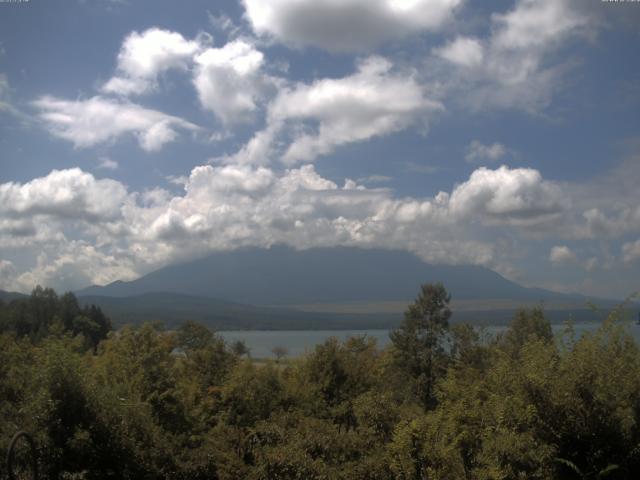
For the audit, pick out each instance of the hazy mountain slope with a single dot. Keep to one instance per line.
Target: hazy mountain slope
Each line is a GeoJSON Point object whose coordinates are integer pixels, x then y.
{"type": "Point", "coordinates": [284, 276]}
{"type": "Point", "coordinates": [174, 309]}
{"type": "Point", "coordinates": [8, 296]}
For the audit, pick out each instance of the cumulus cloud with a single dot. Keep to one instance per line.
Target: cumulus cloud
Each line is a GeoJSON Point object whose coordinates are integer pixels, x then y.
{"type": "Point", "coordinates": [96, 120]}
{"type": "Point", "coordinates": [464, 51]}
{"type": "Point", "coordinates": [606, 207]}
{"type": "Point", "coordinates": [328, 113]}
{"type": "Point", "coordinates": [107, 163]}
{"type": "Point", "coordinates": [610, 221]}
{"type": "Point", "coordinates": [223, 23]}
{"type": "Point", "coordinates": [75, 264]}
{"type": "Point", "coordinates": [93, 230]}
{"type": "Point", "coordinates": [511, 69]}
{"type": "Point", "coordinates": [144, 56]}
{"type": "Point", "coordinates": [631, 252]}
{"type": "Point", "coordinates": [591, 264]}
{"type": "Point", "coordinates": [8, 273]}
{"type": "Point", "coordinates": [72, 194]}
{"type": "Point", "coordinates": [228, 80]}
{"type": "Point", "coordinates": [228, 206]}
{"type": "Point", "coordinates": [258, 150]}
{"type": "Point", "coordinates": [562, 255]}
{"type": "Point", "coordinates": [347, 25]}
{"type": "Point", "coordinates": [477, 151]}
{"type": "Point", "coordinates": [537, 23]}
{"type": "Point", "coordinates": [517, 196]}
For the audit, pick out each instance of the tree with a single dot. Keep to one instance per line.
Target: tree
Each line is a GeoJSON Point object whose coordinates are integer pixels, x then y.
{"type": "Point", "coordinates": [35, 316]}
{"type": "Point", "coordinates": [207, 359]}
{"type": "Point", "coordinates": [279, 352]}
{"type": "Point", "coordinates": [418, 344]}
{"type": "Point", "coordinates": [69, 309]}
{"type": "Point", "coordinates": [240, 348]}
{"type": "Point", "coordinates": [527, 325]}
{"type": "Point", "coordinates": [194, 336]}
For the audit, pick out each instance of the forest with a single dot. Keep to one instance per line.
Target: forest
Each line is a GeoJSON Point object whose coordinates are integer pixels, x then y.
{"type": "Point", "coordinates": [443, 401]}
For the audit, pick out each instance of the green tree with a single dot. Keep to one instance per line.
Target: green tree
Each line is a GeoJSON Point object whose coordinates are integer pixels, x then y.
{"type": "Point", "coordinates": [68, 309]}
{"type": "Point", "coordinates": [527, 325]}
{"type": "Point", "coordinates": [279, 352]}
{"type": "Point", "coordinates": [419, 342]}
{"type": "Point", "coordinates": [194, 336]}
{"type": "Point", "coordinates": [239, 348]}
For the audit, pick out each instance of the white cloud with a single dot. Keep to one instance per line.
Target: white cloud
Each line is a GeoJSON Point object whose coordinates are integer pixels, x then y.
{"type": "Point", "coordinates": [611, 222]}
{"type": "Point", "coordinates": [146, 55]}
{"type": "Point", "coordinates": [464, 51]}
{"type": "Point", "coordinates": [228, 80]}
{"type": "Point", "coordinates": [6, 103]}
{"type": "Point", "coordinates": [229, 206]}
{"type": "Point", "coordinates": [346, 25]}
{"type": "Point", "coordinates": [108, 164]}
{"type": "Point", "coordinates": [88, 230]}
{"type": "Point", "coordinates": [372, 102]}
{"type": "Point", "coordinates": [4, 92]}
{"type": "Point", "coordinates": [538, 23]}
{"type": "Point", "coordinates": [76, 264]}
{"type": "Point", "coordinates": [562, 255]}
{"type": "Point", "coordinates": [128, 86]}
{"type": "Point", "coordinates": [223, 23]}
{"type": "Point", "coordinates": [631, 252]}
{"type": "Point", "coordinates": [511, 69]}
{"type": "Point", "coordinates": [258, 150]}
{"type": "Point", "coordinates": [96, 120]}
{"type": "Point", "coordinates": [180, 180]}
{"type": "Point", "coordinates": [516, 196]}
{"type": "Point", "coordinates": [8, 273]}
{"type": "Point", "coordinates": [71, 194]}
{"type": "Point", "coordinates": [18, 227]}
{"type": "Point", "coordinates": [477, 151]}
{"type": "Point", "coordinates": [591, 263]}
{"type": "Point", "coordinates": [607, 207]}
{"type": "Point", "coordinates": [95, 231]}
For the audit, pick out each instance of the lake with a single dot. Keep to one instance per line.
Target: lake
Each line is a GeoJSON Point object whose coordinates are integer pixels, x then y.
{"type": "Point", "coordinates": [298, 342]}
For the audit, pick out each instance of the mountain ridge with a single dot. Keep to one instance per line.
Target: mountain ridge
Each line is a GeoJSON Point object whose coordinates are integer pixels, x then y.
{"type": "Point", "coordinates": [284, 276]}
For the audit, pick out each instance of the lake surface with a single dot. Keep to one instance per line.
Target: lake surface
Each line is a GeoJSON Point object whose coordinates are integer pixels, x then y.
{"type": "Point", "coordinates": [299, 342]}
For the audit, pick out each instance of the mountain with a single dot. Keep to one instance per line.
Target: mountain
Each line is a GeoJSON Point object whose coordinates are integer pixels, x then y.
{"type": "Point", "coordinates": [8, 296]}
{"type": "Point", "coordinates": [322, 288]}
{"type": "Point", "coordinates": [282, 276]}
{"type": "Point", "coordinates": [173, 309]}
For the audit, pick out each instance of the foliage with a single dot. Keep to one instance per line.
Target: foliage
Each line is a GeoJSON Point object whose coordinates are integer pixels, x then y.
{"type": "Point", "coordinates": [43, 313]}
{"type": "Point", "coordinates": [419, 342]}
{"type": "Point", "coordinates": [440, 402]}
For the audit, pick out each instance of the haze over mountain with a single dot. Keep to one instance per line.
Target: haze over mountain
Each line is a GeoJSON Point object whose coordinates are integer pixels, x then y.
{"type": "Point", "coordinates": [284, 276]}
{"type": "Point", "coordinates": [323, 288]}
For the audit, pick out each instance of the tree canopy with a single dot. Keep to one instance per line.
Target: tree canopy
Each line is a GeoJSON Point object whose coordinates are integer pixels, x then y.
{"type": "Point", "coordinates": [439, 402]}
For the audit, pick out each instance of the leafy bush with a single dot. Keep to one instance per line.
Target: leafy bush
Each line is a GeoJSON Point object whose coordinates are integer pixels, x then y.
{"type": "Point", "coordinates": [438, 403]}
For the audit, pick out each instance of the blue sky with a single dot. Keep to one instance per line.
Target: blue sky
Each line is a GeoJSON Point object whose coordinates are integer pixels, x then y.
{"type": "Point", "coordinates": [135, 135]}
